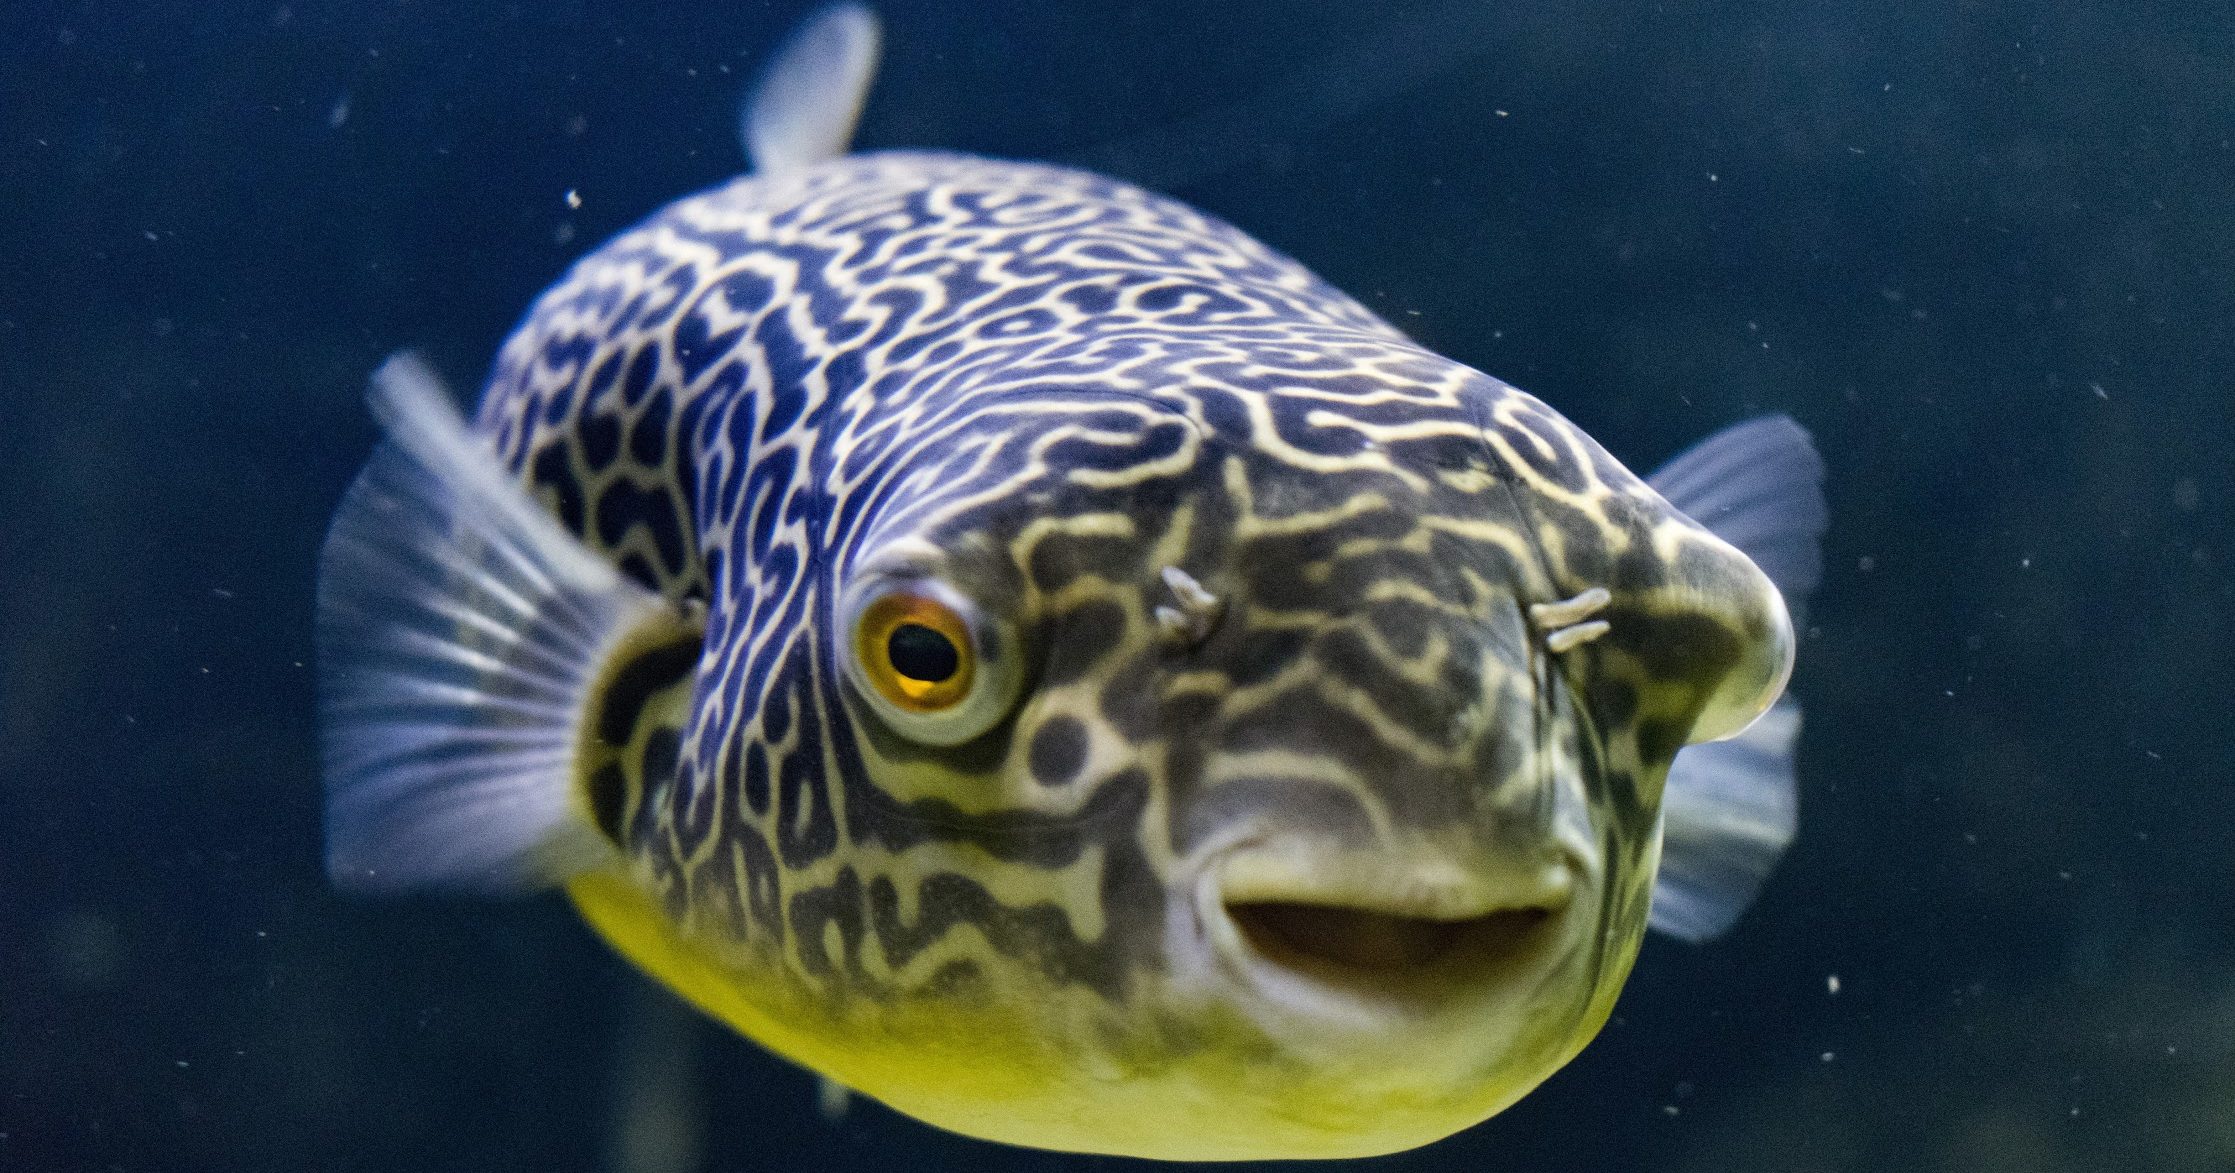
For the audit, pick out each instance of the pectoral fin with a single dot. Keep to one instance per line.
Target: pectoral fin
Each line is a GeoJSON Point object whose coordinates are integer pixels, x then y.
{"type": "Point", "coordinates": [464, 639]}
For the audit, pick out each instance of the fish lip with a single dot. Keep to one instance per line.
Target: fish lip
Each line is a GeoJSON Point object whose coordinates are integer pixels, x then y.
{"type": "Point", "coordinates": [1370, 882]}
{"type": "Point", "coordinates": [1492, 958]}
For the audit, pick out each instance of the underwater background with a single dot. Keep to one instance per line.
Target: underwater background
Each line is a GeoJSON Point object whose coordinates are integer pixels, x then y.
{"type": "Point", "coordinates": [1982, 250]}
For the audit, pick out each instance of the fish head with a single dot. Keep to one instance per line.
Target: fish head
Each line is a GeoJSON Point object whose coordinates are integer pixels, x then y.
{"type": "Point", "coordinates": [1294, 762]}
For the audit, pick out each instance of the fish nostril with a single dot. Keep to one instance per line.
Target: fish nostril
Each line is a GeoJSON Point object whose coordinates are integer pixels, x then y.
{"type": "Point", "coordinates": [1358, 945]}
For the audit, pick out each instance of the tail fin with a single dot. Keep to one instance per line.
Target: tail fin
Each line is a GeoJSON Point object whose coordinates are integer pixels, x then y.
{"type": "Point", "coordinates": [804, 108]}
{"type": "Point", "coordinates": [460, 633]}
{"type": "Point", "coordinates": [1731, 807]}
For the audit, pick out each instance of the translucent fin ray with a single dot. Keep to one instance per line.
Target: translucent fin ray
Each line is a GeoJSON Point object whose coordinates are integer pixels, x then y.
{"type": "Point", "coordinates": [1759, 486]}
{"type": "Point", "coordinates": [804, 109]}
{"type": "Point", "coordinates": [1729, 812]}
{"type": "Point", "coordinates": [1732, 807]}
{"type": "Point", "coordinates": [459, 631]}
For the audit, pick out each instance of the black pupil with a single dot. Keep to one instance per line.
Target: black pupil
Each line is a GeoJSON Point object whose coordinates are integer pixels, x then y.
{"type": "Point", "coordinates": [919, 653]}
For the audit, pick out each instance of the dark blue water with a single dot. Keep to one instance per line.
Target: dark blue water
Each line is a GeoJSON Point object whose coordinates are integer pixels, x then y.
{"type": "Point", "coordinates": [1982, 250]}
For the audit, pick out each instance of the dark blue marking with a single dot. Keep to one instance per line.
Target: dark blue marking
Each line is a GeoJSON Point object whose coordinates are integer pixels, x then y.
{"type": "Point", "coordinates": [686, 429]}
{"type": "Point", "coordinates": [732, 755]}
{"type": "Point", "coordinates": [778, 608]}
{"type": "Point", "coordinates": [716, 469]}
{"type": "Point", "coordinates": [763, 885]}
{"type": "Point", "coordinates": [756, 778]}
{"type": "Point", "coordinates": [729, 682]}
{"type": "Point", "coordinates": [561, 351]}
{"type": "Point", "coordinates": [779, 572]}
{"type": "Point", "coordinates": [771, 475]}
{"type": "Point", "coordinates": [867, 454]}
{"type": "Point", "coordinates": [1224, 412]}
{"type": "Point", "coordinates": [601, 438]}
{"type": "Point", "coordinates": [729, 483]}
{"type": "Point", "coordinates": [662, 759]}
{"type": "Point", "coordinates": [776, 715]}
{"type": "Point", "coordinates": [871, 498]}
{"type": "Point", "coordinates": [716, 565]}
{"type": "Point", "coordinates": [648, 438]}
{"type": "Point", "coordinates": [788, 367]}
{"type": "Point", "coordinates": [694, 813]}
{"type": "Point", "coordinates": [1091, 299]}
{"type": "Point", "coordinates": [602, 376]}
{"type": "Point", "coordinates": [509, 437]}
{"type": "Point", "coordinates": [1040, 932]}
{"type": "Point", "coordinates": [1561, 467]}
{"type": "Point", "coordinates": [1057, 751]}
{"type": "Point", "coordinates": [608, 791]}
{"type": "Point", "coordinates": [697, 348]}
{"type": "Point", "coordinates": [813, 911]}
{"type": "Point", "coordinates": [1026, 296]}
{"type": "Point", "coordinates": [1159, 299]}
{"type": "Point", "coordinates": [623, 505]}
{"type": "Point", "coordinates": [800, 787]}
{"type": "Point", "coordinates": [1020, 323]}
{"type": "Point", "coordinates": [633, 565]}
{"type": "Point", "coordinates": [900, 306]}
{"type": "Point", "coordinates": [626, 316]}
{"type": "Point", "coordinates": [678, 284]}
{"type": "Point", "coordinates": [963, 288]}
{"type": "Point", "coordinates": [593, 301]}
{"type": "Point", "coordinates": [554, 471]}
{"type": "Point", "coordinates": [1159, 441]}
{"type": "Point", "coordinates": [644, 367]}
{"type": "Point", "coordinates": [562, 402]}
{"type": "Point", "coordinates": [762, 516]}
{"type": "Point", "coordinates": [826, 307]}
{"type": "Point", "coordinates": [842, 372]}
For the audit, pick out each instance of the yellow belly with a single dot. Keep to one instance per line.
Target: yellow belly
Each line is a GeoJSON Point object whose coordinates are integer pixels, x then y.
{"type": "Point", "coordinates": [1209, 1091]}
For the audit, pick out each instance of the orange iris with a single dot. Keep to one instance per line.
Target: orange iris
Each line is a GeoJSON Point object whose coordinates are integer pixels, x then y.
{"type": "Point", "coordinates": [916, 651]}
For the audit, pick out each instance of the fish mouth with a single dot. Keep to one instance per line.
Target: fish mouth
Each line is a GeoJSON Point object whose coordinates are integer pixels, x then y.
{"type": "Point", "coordinates": [1355, 934]}
{"type": "Point", "coordinates": [1358, 942]}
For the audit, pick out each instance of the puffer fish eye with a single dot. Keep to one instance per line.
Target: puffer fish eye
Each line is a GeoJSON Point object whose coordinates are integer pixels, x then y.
{"type": "Point", "coordinates": [932, 665]}
{"type": "Point", "coordinates": [915, 651]}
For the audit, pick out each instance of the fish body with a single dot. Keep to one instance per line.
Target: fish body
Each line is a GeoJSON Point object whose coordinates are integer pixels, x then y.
{"type": "Point", "coordinates": [1022, 648]}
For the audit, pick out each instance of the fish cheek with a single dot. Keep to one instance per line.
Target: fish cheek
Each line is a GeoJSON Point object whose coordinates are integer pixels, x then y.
{"type": "Point", "coordinates": [1717, 625]}
{"type": "Point", "coordinates": [1653, 674]}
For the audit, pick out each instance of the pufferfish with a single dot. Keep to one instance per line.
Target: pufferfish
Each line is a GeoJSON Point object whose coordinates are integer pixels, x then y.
{"type": "Point", "coordinates": [1025, 650]}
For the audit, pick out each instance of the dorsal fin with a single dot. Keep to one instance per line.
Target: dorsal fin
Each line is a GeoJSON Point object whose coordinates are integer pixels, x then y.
{"type": "Point", "coordinates": [804, 108]}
